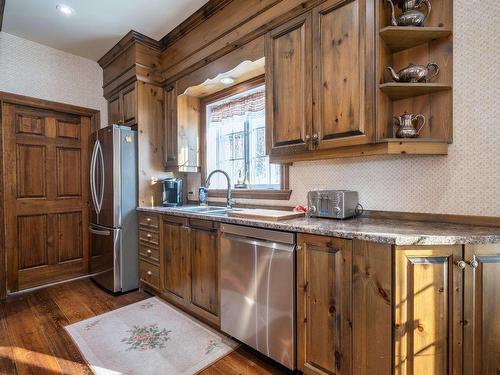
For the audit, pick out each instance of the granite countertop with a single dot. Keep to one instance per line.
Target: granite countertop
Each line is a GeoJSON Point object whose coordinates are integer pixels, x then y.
{"type": "Point", "coordinates": [397, 232]}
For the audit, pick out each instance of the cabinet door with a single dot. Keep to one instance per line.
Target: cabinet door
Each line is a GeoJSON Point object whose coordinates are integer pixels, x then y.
{"type": "Point", "coordinates": [204, 269]}
{"type": "Point", "coordinates": [289, 86]}
{"type": "Point", "coordinates": [428, 307]}
{"type": "Point", "coordinates": [324, 297]}
{"type": "Point", "coordinates": [482, 310]}
{"type": "Point", "coordinates": [343, 65]}
{"type": "Point", "coordinates": [115, 115]}
{"type": "Point", "coordinates": [175, 247]}
{"type": "Point", "coordinates": [129, 100]}
{"type": "Point", "coordinates": [170, 133]}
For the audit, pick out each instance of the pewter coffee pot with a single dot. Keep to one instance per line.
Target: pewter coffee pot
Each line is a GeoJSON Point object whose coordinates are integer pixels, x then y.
{"type": "Point", "coordinates": [406, 125]}
{"type": "Point", "coordinates": [410, 15]}
{"type": "Point", "coordinates": [415, 73]}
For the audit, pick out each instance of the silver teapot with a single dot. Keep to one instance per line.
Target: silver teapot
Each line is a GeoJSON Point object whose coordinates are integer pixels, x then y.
{"type": "Point", "coordinates": [410, 15]}
{"type": "Point", "coordinates": [415, 73]}
{"type": "Point", "coordinates": [407, 125]}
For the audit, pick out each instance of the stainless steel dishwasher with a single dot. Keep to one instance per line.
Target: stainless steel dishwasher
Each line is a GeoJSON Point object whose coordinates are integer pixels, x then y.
{"type": "Point", "coordinates": [258, 290]}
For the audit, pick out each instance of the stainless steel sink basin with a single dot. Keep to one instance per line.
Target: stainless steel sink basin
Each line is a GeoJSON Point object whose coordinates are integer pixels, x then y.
{"type": "Point", "coordinates": [205, 209]}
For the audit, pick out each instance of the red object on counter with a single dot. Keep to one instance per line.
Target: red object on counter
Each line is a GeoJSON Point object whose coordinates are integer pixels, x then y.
{"type": "Point", "coordinates": [300, 208]}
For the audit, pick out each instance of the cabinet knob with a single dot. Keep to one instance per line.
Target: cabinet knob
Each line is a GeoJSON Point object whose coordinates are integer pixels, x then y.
{"type": "Point", "coordinates": [461, 264]}
{"type": "Point", "coordinates": [473, 263]}
{"type": "Point", "coordinates": [149, 273]}
{"type": "Point", "coordinates": [308, 137]}
{"type": "Point", "coordinates": [148, 220]}
{"type": "Point", "coordinates": [149, 251]}
{"type": "Point", "coordinates": [148, 235]}
{"type": "Point", "coordinates": [299, 247]}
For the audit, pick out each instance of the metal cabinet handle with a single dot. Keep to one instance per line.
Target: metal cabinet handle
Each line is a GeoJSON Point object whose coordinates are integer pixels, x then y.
{"type": "Point", "coordinates": [149, 235]}
{"type": "Point", "coordinates": [149, 273]}
{"type": "Point", "coordinates": [473, 263]}
{"type": "Point", "coordinates": [149, 251]}
{"type": "Point", "coordinates": [148, 220]}
{"type": "Point", "coordinates": [461, 264]}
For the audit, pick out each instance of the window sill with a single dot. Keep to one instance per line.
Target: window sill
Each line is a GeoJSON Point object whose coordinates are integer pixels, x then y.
{"type": "Point", "coordinates": [281, 195]}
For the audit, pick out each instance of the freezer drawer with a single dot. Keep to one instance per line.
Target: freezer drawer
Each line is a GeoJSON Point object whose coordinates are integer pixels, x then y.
{"type": "Point", "coordinates": [105, 256]}
{"type": "Point", "coordinates": [258, 293]}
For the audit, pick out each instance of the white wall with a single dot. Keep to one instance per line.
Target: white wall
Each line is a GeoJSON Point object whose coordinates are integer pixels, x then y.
{"type": "Point", "coordinates": [465, 182]}
{"type": "Point", "coordinates": [32, 69]}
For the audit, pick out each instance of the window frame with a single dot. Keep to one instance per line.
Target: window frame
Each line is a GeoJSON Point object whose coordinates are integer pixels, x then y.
{"type": "Point", "coordinates": [276, 194]}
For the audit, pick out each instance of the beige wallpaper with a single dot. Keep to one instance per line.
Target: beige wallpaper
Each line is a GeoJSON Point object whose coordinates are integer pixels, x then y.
{"type": "Point", "coordinates": [32, 69]}
{"type": "Point", "coordinates": [467, 181]}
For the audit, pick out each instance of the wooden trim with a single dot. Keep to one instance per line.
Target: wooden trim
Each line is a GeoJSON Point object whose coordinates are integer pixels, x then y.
{"type": "Point", "coordinates": [252, 193]}
{"type": "Point", "coordinates": [488, 221]}
{"type": "Point", "coordinates": [193, 21]}
{"type": "Point", "coordinates": [46, 104]}
{"type": "Point", "coordinates": [246, 205]}
{"type": "Point", "coordinates": [284, 192]}
{"type": "Point", "coordinates": [2, 9]}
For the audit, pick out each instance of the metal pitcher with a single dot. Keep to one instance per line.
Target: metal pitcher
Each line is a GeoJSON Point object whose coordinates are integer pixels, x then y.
{"type": "Point", "coordinates": [407, 125]}
{"type": "Point", "coordinates": [410, 15]}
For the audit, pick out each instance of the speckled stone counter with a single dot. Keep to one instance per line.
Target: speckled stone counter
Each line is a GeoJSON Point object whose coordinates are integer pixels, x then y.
{"type": "Point", "coordinates": [395, 232]}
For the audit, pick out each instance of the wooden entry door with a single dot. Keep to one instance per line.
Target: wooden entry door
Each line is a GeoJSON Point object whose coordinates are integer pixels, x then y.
{"type": "Point", "coordinates": [46, 157]}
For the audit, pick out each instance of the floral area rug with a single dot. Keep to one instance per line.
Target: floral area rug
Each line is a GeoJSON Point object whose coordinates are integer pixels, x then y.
{"type": "Point", "coordinates": [148, 337]}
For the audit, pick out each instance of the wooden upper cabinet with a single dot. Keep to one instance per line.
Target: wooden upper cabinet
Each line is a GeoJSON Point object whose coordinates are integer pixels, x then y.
{"type": "Point", "coordinates": [289, 86]}
{"type": "Point", "coordinates": [342, 45]}
{"type": "Point", "coordinates": [324, 299]}
{"type": "Point", "coordinates": [129, 98]}
{"type": "Point", "coordinates": [115, 109]}
{"type": "Point", "coordinates": [122, 107]}
{"type": "Point", "coordinates": [428, 307]}
{"type": "Point", "coordinates": [482, 306]}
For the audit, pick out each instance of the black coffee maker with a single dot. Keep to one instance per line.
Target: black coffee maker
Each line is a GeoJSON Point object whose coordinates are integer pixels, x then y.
{"type": "Point", "coordinates": [173, 192]}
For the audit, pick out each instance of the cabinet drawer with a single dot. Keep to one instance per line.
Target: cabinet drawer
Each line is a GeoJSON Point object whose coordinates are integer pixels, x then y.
{"type": "Point", "coordinates": [149, 237]}
{"type": "Point", "coordinates": [149, 221]}
{"type": "Point", "coordinates": [150, 253]}
{"type": "Point", "coordinates": [149, 273]}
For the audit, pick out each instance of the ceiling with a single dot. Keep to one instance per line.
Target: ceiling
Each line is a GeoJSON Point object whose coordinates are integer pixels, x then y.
{"type": "Point", "coordinates": [97, 25]}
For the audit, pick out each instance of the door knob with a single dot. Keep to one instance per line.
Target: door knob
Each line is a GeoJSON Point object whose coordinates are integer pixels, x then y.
{"type": "Point", "coordinates": [461, 264]}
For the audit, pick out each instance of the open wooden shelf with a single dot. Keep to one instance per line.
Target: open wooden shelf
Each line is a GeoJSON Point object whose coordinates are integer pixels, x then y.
{"type": "Point", "coordinates": [398, 91]}
{"type": "Point", "coordinates": [399, 38]}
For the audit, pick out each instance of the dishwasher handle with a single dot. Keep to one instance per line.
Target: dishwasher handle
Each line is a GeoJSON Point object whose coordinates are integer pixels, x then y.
{"type": "Point", "coordinates": [259, 243]}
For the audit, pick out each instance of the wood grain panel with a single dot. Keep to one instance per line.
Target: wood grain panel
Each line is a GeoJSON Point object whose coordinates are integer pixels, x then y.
{"type": "Point", "coordinates": [324, 300]}
{"type": "Point", "coordinates": [339, 73]}
{"type": "Point", "coordinates": [129, 103]}
{"type": "Point", "coordinates": [69, 236]}
{"type": "Point", "coordinates": [482, 306]}
{"type": "Point", "coordinates": [428, 310]}
{"type": "Point", "coordinates": [289, 86]}
{"type": "Point", "coordinates": [32, 241]}
{"type": "Point", "coordinates": [69, 176]}
{"type": "Point", "coordinates": [372, 315]}
{"type": "Point", "coordinates": [204, 269]}
{"type": "Point", "coordinates": [175, 254]}
{"type": "Point", "coordinates": [31, 169]}
{"type": "Point", "coordinates": [66, 129]}
{"type": "Point", "coordinates": [29, 124]}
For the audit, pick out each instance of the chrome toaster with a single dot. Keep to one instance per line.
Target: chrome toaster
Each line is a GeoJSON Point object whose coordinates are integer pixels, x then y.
{"type": "Point", "coordinates": [334, 204]}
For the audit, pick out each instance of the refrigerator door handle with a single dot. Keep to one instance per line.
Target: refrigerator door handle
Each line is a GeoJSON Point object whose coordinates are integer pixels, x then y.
{"type": "Point", "coordinates": [99, 232]}
{"type": "Point", "coordinates": [101, 160]}
{"type": "Point", "coordinates": [92, 176]}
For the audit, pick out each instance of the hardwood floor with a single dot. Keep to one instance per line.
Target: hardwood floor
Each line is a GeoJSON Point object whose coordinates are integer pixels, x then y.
{"type": "Point", "coordinates": [33, 340]}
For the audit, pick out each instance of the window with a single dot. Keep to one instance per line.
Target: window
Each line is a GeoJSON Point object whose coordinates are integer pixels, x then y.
{"type": "Point", "coordinates": [236, 141]}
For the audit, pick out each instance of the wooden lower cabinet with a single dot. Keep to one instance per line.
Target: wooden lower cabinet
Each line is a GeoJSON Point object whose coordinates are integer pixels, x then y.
{"type": "Point", "coordinates": [189, 265]}
{"type": "Point", "coordinates": [482, 310]}
{"type": "Point", "coordinates": [324, 305]}
{"type": "Point", "coordinates": [428, 310]}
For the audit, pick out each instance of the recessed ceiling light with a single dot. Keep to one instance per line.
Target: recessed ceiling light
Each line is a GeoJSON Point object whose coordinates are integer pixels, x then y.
{"type": "Point", "coordinates": [227, 80]}
{"type": "Point", "coordinates": [65, 9]}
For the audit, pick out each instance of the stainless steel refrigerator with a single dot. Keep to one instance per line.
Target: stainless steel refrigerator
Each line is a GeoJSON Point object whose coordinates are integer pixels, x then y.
{"type": "Point", "coordinates": [114, 260]}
